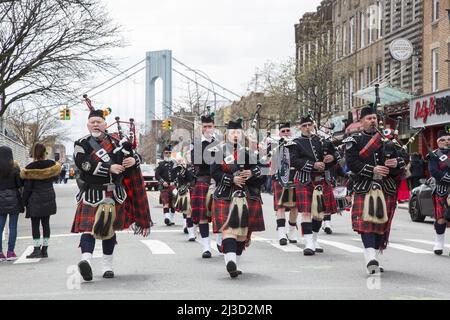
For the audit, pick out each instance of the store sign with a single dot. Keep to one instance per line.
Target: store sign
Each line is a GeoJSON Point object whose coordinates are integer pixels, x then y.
{"type": "Point", "coordinates": [430, 110]}
{"type": "Point", "coordinates": [401, 49]}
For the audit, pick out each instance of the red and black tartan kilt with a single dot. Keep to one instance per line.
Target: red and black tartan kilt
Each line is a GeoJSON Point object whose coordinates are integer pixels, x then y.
{"type": "Point", "coordinates": [136, 204]}
{"type": "Point", "coordinates": [198, 202]}
{"type": "Point", "coordinates": [277, 192]}
{"type": "Point", "coordinates": [85, 217]}
{"type": "Point", "coordinates": [361, 226]}
{"type": "Point", "coordinates": [440, 207]}
{"type": "Point", "coordinates": [221, 209]}
{"type": "Point", "coordinates": [304, 198]}
{"type": "Point", "coordinates": [167, 196]}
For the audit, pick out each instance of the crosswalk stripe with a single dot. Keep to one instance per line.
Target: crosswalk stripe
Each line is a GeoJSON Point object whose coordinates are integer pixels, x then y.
{"type": "Point", "coordinates": [158, 247]}
{"type": "Point", "coordinates": [426, 242]}
{"type": "Point", "coordinates": [286, 248]}
{"type": "Point", "coordinates": [408, 248]}
{"type": "Point", "coordinates": [23, 258]}
{"type": "Point", "coordinates": [403, 247]}
{"type": "Point", "coordinates": [342, 246]}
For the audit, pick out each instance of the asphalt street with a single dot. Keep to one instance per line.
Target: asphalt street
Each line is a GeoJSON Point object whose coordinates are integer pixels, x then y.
{"type": "Point", "coordinates": [166, 266]}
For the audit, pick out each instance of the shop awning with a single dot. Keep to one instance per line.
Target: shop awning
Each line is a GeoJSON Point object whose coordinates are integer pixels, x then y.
{"type": "Point", "coordinates": [388, 95]}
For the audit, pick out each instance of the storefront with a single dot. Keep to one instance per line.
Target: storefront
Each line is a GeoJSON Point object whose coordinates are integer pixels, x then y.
{"type": "Point", "coordinates": [432, 112]}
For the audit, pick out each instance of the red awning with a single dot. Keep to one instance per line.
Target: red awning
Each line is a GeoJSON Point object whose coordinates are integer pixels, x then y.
{"type": "Point", "coordinates": [354, 127]}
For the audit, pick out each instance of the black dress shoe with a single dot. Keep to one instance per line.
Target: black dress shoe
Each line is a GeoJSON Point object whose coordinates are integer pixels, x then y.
{"type": "Point", "coordinates": [85, 270]}
{"type": "Point", "coordinates": [232, 269]}
{"type": "Point", "coordinates": [206, 255]}
{"type": "Point", "coordinates": [191, 239]}
{"type": "Point", "coordinates": [438, 252]}
{"type": "Point", "coordinates": [171, 224]}
{"type": "Point", "coordinates": [44, 251]}
{"type": "Point", "coordinates": [373, 267]}
{"type": "Point", "coordinates": [36, 254]}
{"type": "Point", "coordinates": [319, 250]}
{"type": "Point", "coordinates": [283, 242]}
{"type": "Point", "coordinates": [308, 252]}
{"type": "Point", "coordinates": [167, 221]}
{"type": "Point", "coordinates": [108, 275]}
{"type": "Point", "coordinates": [328, 230]}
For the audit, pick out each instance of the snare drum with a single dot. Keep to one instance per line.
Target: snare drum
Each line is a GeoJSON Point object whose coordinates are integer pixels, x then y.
{"type": "Point", "coordinates": [339, 194]}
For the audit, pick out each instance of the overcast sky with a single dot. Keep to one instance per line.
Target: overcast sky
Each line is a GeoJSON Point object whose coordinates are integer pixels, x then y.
{"type": "Point", "coordinates": [226, 39]}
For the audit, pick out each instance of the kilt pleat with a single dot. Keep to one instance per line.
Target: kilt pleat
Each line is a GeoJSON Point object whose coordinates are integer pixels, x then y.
{"type": "Point", "coordinates": [221, 209]}
{"type": "Point", "coordinates": [440, 207]}
{"type": "Point", "coordinates": [85, 217]}
{"type": "Point", "coordinates": [304, 198]}
{"type": "Point", "coordinates": [167, 196]}
{"type": "Point", "coordinates": [277, 192]}
{"type": "Point", "coordinates": [361, 226]}
{"type": "Point", "coordinates": [198, 202]}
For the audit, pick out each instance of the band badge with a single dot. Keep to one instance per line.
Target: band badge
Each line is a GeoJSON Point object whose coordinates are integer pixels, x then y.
{"type": "Point", "coordinates": [86, 166]}
{"type": "Point", "coordinates": [443, 158]}
{"type": "Point", "coordinates": [102, 154]}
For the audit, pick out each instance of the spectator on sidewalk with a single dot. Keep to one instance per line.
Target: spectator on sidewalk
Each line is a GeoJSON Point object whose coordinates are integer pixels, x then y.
{"type": "Point", "coordinates": [10, 200]}
{"type": "Point", "coordinates": [39, 197]}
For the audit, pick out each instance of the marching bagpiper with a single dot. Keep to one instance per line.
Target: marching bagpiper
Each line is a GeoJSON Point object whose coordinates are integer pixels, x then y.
{"type": "Point", "coordinates": [236, 207]}
{"type": "Point", "coordinates": [375, 164]}
{"type": "Point", "coordinates": [439, 166]}
{"type": "Point", "coordinates": [283, 186]}
{"type": "Point", "coordinates": [166, 177]}
{"type": "Point", "coordinates": [202, 157]}
{"type": "Point", "coordinates": [315, 197]}
{"type": "Point", "coordinates": [183, 180]}
{"type": "Point", "coordinates": [102, 207]}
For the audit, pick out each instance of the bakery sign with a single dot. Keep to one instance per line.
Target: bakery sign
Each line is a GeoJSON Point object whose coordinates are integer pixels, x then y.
{"type": "Point", "coordinates": [430, 110]}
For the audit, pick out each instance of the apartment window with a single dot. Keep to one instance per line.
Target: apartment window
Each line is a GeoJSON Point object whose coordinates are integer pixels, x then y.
{"type": "Point", "coordinates": [435, 10]}
{"type": "Point", "coordinates": [344, 39]}
{"type": "Point", "coordinates": [362, 30]}
{"type": "Point", "coordinates": [338, 40]}
{"type": "Point", "coordinates": [435, 68]}
{"type": "Point", "coordinates": [370, 17]}
{"type": "Point", "coordinates": [350, 92]}
{"type": "Point", "coordinates": [380, 20]}
{"type": "Point", "coordinates": [352, 34]}
{"type": "Point", "coordinates": [369, 75]}
{"type": "Point", "coordinates": [448, 63]}
{"type": "Point", "coordinates": [378, 72]}
{"type": "Point", "coordinates": [361, 79]}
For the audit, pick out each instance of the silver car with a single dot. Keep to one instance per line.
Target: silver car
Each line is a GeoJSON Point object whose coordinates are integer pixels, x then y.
{"type": "Point", "coordinates": [421, 201]}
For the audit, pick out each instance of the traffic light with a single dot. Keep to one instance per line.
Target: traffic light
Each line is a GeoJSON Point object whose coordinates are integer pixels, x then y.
{"type": "Point", "coordinates": [67, 114]}
{"type": "Point", "coordinates": [62, 114]}
{"type": "Point", "coordinates": [169, 125]}
{"type": "Point", "coordinates": [165, 125]}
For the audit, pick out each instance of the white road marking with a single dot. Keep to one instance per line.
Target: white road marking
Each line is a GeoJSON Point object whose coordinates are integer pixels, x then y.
{"type": "Point", "coordinates": [342, 246]}
{"type": "Point", "coordinates": [98, 252]}
{"type": "Point", "coordinates": [158, 247]}
{"type": "Point", "coordinates": [402, 247]}
{"type": "Point", "coordinates": [426, 242]}
{"type": "Point", "coordinates": [408, 248]}
{"type": "Point", "coordinates": [286, 248]}
{"type": "Point", "coordinates": [23, 258]}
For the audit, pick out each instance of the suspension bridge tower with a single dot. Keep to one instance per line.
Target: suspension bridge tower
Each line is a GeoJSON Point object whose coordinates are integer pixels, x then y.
{"type": "Point", "coordinates": [158, 65]}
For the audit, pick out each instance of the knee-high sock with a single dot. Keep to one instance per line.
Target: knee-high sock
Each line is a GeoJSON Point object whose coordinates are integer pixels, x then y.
{"type": "Point", "coordinates": [189, 223]}
{"type": "Point", "coordinates": [316, 225]}
{"type": "Point", "coordinates": [108, 245]}
{"type": "Point", "coordinates": [87, 245]}
{"type": "Point", "coordinates": [240, 246]}
{"type": "Point", "coordinates": [368, 240]}
{"type": "Point", "coordinates": [229, 250]}
{"type": "Point", "coordinates": [306, 228]}
{"type": "Point", "coordinates": [440, 228]}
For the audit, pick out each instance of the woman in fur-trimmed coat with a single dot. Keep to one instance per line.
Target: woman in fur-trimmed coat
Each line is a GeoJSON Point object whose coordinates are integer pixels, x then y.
{"type": "Point", "coordinates": [39, 197]}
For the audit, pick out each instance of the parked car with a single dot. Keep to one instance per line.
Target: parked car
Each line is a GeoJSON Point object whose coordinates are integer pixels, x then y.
{"type": "Point", "coordinates": [421, 201]}
{"type": "Point", "coordinates": [148, 172]}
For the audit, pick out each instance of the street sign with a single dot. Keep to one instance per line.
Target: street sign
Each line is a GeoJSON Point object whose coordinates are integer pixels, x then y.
{"type": "Point", "coordinates": [401, 49]}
